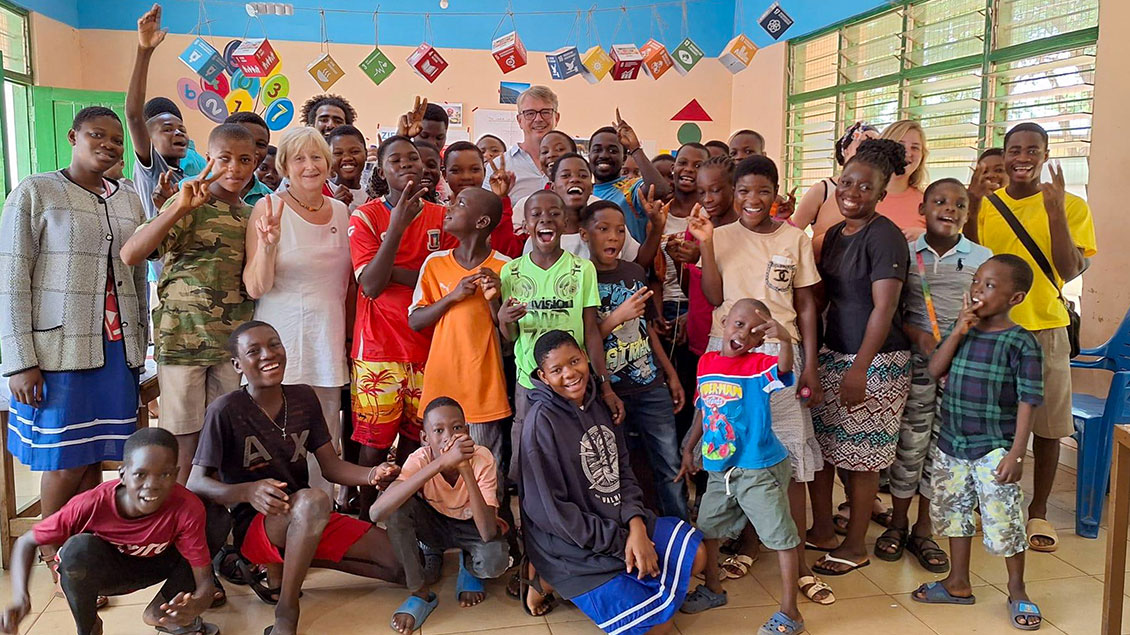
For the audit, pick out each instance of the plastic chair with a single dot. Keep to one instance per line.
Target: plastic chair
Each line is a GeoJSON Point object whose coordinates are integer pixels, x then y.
{"type": "Point", "coordinates": [1114, 355]}
{"type": "Point", "coordinates": [1094, 420]}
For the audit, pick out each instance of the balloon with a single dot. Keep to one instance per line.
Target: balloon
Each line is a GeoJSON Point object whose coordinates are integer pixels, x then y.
{"type": "Point", "coordinates": [249, 84]}
{"type": "Point", "coordinates": [239, 100]}
{"type": "Point", "coordinates": [189, 91]}
{"type": "Point", "coordinates": [279, 114]}
{"type": "Point", "coordinates": [213, 106]}
{"type": "Point", "coordinates": [221, 86]}
{"type": "Point", "coordinates": [276, 87]}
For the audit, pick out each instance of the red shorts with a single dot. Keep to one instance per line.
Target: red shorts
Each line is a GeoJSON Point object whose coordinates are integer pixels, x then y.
{"type": "Point", "coordinates": [341, 533]}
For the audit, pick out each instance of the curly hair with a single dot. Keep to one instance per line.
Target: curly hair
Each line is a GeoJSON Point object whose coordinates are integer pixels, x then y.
{"type": "Point", "coordinates": [310, 108]}
{"type": "Point", "coordinates": [885, 155]}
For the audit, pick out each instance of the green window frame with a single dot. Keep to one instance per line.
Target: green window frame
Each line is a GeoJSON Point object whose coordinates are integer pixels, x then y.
{"type": "Point", "coordinates": [966, 70]}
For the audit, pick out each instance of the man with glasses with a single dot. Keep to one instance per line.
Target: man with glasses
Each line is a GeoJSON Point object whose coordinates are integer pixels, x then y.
{"type": "Point", "coordinates": [537, 115]}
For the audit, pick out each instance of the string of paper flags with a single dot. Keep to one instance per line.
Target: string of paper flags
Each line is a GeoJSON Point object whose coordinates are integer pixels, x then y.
{"type": "Point", "coordinates": [246, 76]}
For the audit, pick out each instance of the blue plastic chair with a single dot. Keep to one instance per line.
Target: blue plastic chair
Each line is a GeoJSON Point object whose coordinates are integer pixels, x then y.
{"type": "Point", "coordinates": [1114, 355]}
{"type": "Point", "coordinates": [1094, 420]}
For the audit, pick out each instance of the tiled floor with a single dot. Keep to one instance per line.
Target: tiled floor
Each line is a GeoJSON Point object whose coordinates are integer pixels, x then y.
{"type": "Point", "coordinates": [875, 600]}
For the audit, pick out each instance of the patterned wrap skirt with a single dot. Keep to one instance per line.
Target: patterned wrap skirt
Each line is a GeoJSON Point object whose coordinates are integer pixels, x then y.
{"type": "Point", "coordinates": [863, 438]}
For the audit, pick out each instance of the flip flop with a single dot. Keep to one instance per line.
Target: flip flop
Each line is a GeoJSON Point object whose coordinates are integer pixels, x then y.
{"type": "Point", "coordinates": [1026, 609]}
{"type": "Point", "coordinates": [467, 583]}
{"type": "Point", "coordinates": [823, 570]}
{"type": "Point", "coordinates": [937, 593]}
{"type": "Point", "coordinates": [737, 566]}
{"type": "Point", "coordinates": [197, 627]}
{"type": "Point", "coordinates": [919, 546]}
{"type": "Point", "coordinates": [815, 547]}
{"type": "Point", "coordinates": [1042, 528]}
{"type": "Point", "coordinates": [702, 599]}
{"type": "Point", "coordinates": [418, 608]}
{"type": "Point", "coordinates": [549, 600]}
{"type": "Point", "coordinates": [810, 585]}
{"type": "Point", "coordinates": [781, 624]}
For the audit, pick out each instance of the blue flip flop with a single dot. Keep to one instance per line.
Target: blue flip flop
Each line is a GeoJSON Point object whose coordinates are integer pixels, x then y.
{"type": "Point", "coordinates": [466, 583]}
{"type": "Point", "coordinates": [418, 608]}
{"type": "Point", "coordinates": [781, 624]}
{"type": "Point", "coordinates": [1026, 609]}
{"type": "Point", "coordinates": [937, 593]}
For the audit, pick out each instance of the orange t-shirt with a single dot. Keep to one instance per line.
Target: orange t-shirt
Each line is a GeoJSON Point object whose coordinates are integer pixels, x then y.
{"type": "Point", "coordinates": [465, 360]}
{"type": "Point", "coordinates": [902, 209]}
{"type": "Point", "coordinates": [454, 501]}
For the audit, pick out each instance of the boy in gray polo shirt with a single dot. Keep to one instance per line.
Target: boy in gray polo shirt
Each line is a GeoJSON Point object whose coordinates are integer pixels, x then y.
{"type": "Point", "coordinates": [940, 271]}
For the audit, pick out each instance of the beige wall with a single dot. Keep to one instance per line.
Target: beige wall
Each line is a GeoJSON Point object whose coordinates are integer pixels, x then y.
{"type": "Point", "coordinates": [56, 51]}
{"type": "Point", "coordinates": [757, 98]}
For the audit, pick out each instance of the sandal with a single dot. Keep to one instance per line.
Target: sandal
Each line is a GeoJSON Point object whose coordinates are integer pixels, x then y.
{"type": "Point", "coordinates": [735, 567]}
{"type": "Point", "coordinates": [883, 518]}
{"type": "Point", "coordinates": [811, 585]}
{"type": "Point", "coordinates": [418, 608]}
{"type": "Point", "coordinates": [258, 585]}
{"type": "Point", "coordinates": [549, 600]}
{"type": "Point", "coordinates": [197, 627]}
{"type": "Point", "coordinates": [219, 596]}
{"type": "Point", "coordinates": [893, 537]}
{"type": "Point", "coordinates": [937, 593]}
{"type": "Point", "coordinates": [467, 583]}
{"type": "Point", "coordinates": [811, 546]}
{"type": "Point", "coordinates": [823, 569]}
{"type": "Point", "coordinates": [839, 521]}
{"type": "Point", "coordinates": [1040, 527]}
{"type": "Point", "coordinates": [702, 599]}
{"type": "Point", "coordinates": [926, 549]}
{"type": "Point", "coordinates": [781, 624]}
{"type": "Point", "coordinates": [226, 563]}
{"type": "Point", "coordinates": [1026, 609]}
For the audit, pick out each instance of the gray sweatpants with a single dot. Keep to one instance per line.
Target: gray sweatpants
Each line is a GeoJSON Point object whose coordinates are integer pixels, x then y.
{"type": "Point", "coordinates": [918, 433]}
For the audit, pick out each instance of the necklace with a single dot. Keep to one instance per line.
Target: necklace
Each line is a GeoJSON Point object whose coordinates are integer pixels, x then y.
{"type": "Point", "coordinates": [282, 428]}
{"type": "Point", "coordinates": [304, 206]}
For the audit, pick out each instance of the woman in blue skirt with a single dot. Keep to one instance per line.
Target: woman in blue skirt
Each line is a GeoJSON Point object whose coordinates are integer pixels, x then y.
{"type": "Point", "coordinates": [587, 533]}
{"type": "Point", "coordinates": [72, 319]}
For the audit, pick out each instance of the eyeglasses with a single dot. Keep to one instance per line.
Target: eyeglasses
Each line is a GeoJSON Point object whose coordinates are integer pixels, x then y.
{"type": "Point", "coordinates": [544, 113]}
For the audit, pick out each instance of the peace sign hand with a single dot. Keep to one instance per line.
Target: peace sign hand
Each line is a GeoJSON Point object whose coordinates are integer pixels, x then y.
{"type": "Point", "coordinates": [268, 225]}
{"type": "Point", "coordinates": [978, 187]}
{"type": "Point", "coordinates": [166, 188]}
{"type": "Point", "coordinates": [1055, 192]}
{"type": "Point", "coordinates": [786, 205]}
{"type": "Point", "coordinates": [409, 206]}
{"type": "Point", "coordinates": [196, 192]}
{"type": "Point", "coordinates": [411, 122]}
{"type": "Point", "coordinates": [149, 31]}
{"type": "Point", "coordinates": [771, 328]}
{"type": "Point", "coordinates": [501, 180]}
{"type": "Point", "coordinates": [699, 225]}
{"type": "Point", "coordinates": [627, 136]}
{"type": "Point", "coordinates": [655, 209]}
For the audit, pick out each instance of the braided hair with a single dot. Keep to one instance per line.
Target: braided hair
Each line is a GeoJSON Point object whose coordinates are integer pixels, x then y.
{"type": "Point", "coordinates": [885, 155]}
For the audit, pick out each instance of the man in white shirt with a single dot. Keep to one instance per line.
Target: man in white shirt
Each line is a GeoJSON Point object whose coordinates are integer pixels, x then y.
{"type": "Point", "coordinates": [537, 115]}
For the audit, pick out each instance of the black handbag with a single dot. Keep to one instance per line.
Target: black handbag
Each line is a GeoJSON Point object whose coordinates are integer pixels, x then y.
{"type": "Point", "coordinates": [1045, 266]}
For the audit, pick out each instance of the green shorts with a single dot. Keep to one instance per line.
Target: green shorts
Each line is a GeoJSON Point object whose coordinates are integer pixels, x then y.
{"type": "Point", "coordinates": [760, 496]}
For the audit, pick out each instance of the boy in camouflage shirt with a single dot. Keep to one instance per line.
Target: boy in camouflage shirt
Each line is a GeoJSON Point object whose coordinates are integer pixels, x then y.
{"type": "Point", "coordinates": [199, 237]}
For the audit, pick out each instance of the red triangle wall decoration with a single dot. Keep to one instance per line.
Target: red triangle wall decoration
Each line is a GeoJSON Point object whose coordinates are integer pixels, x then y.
{"type": "Point", "coordinates": [693, 111]}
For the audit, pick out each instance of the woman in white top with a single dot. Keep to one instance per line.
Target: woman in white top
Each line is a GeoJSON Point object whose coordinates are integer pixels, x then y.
{"type": "Point", "coordinates": [298, 271]}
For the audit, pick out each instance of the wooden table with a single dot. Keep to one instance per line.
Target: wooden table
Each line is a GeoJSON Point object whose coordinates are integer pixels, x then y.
{"type": "Point", "coordinates": [1115, 577]}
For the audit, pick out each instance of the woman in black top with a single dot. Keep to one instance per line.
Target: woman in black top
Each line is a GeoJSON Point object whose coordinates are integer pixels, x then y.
{"type": "Point", "coordinates": [865, 357]}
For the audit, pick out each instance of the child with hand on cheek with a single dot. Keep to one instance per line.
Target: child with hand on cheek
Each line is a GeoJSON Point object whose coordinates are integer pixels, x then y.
{"type": "Point", "coordinates": [588, 535]}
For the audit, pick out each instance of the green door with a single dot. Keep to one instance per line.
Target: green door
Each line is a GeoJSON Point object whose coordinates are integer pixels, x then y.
{"type": "Point", "coordinates": [53, 111]}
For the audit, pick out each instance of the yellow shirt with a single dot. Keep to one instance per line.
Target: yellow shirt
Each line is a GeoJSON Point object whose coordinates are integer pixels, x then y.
{"type": "Point", "coordinates": [1042, 308]}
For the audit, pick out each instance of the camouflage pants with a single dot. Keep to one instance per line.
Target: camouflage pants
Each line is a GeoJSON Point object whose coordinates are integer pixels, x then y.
{"type": "Point", "coordinates": [918, 433]}
{"type": "Point", "coordinates": [961, 485]}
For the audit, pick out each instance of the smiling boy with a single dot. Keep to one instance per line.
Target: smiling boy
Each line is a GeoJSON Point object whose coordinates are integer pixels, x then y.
{"type": "Point", "coordinates": [608, 147]}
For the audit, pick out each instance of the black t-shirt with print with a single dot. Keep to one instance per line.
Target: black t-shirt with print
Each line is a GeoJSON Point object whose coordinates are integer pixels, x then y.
{"type": "Point", "coordinates": [627, 350]}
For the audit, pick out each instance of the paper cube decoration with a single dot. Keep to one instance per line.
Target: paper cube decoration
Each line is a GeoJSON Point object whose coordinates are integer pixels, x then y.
{"type": "Point", "coordinates": [656, 59]}
{"type": "Point", "coordinates": [775, 21]}
{"type": "Point", "coordinates": [564, 62]}
{"type": "Point", "coordinates": [738, 53]}
{"type": "Point", "coordinates": [595, 64]}
{"type": "Point", "coordinates": [325, 71]}
{"type": "Point", "coordinates": [686, 55]}
{"type": "Point", "coordinates": [377, 66]}
{"type": "Point", "coordinates": [427, 62]}
{"type": "Point", "coordinates": [626, 62]}
{"type": "Point", "coordinates": [255, 57]}
{"type": "Point", "coordinates": [203, 59]}
{"type": "Point", "coordinates": [509, 52]}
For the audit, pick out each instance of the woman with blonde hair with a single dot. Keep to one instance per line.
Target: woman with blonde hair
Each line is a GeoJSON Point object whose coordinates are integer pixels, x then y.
{"type": "Point", "coordinates": [904, 192]}
{"type": "Point", "coordinates": [298, 271]}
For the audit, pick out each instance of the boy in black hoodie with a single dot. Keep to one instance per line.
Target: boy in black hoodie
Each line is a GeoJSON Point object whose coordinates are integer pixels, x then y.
{"type": "Point", "coordinates": [586, 528]}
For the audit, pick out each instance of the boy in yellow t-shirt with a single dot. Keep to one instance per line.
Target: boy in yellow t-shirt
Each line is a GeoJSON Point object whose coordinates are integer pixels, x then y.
{"type": "Point", "coordinates": [1060, 224]}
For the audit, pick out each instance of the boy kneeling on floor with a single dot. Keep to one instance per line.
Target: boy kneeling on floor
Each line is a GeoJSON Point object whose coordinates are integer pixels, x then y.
{"type": "Point", "coordinates": [445, 497]}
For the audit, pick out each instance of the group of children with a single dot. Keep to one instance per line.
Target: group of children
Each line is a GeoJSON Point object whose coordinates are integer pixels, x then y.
{"type": "Point", "coordinates": [609, 337]}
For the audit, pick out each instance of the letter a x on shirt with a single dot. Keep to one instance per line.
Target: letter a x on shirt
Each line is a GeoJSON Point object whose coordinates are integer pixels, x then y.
{"type": "Point", "coordinates": [555, 298]}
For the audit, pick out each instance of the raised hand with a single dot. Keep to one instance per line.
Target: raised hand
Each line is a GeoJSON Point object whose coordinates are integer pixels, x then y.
{"type": "Point", "coordinates": [409, 206]}
{"type": "Point", "coordinates": [411, 122]}
{"type": "Point", "coordinates": [978, 187]}
{"type": "Point", "coordinates": [655, 209]}
{"type": "Point", "coordinates": [786, 205]}
{"type": "Point", "coordinates": [682, 251]}
{"type": "Point", "coordinates": [627, 136]}
{"type": "Point", "coordinates": [501, 180]}
{"type": "Point", "coordinates": [166, 189]}
{"type": "Point", "coordinates": [268, 226]}
{"type": "Point", "coordinates": [149, 31]}
{"type": "Point", "coordinates": [772, 328]}
{"type": "Point", "coordinates": [511, 311]}
{"type": "Point", "coordinates": [634, 306]}
{"type": "Point", "coordinates": [196, 192]}
{"type": "Point", "coordinates": [967, 319]}
{"type": "Point", "coordinates": [343, 194]}
{"type": "Point", "coordinates": [699, 225]}
{"type": "Point", "coordinates": [1055, 191]}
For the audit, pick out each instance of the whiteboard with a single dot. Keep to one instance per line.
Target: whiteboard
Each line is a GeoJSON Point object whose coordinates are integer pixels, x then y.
{"type": "Point", "coordinates": [500, 123]}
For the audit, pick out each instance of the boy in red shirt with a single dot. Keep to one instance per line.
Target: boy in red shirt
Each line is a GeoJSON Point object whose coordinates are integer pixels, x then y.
{"type": "Point", "coordinates": [389, 239]}
{"type": "Point", "coordinates": [115, 539]}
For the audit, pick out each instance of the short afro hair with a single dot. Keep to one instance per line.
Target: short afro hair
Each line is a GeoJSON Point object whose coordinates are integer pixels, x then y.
{"type": "Point", "coordinates": [435, 112]}
{"type": "Point", "coordinates": [230, 132]}
{"type": "Point", "coordinates": [248, 117]}
{"type": "Point", "coordinates": [148, 437]}
{"type": "Point", "coordinates": [715, 143]}
{"type": "Point", "coordinates": [233, 339]}
{"type": "Point", "coordinates": [1021, 271]}
{"type": "Point", "coordinates": [551, 341]}
{"type": "Point", "coordinates": [1027, 126]}
{"type": "Point", "coordinates": [940, 183]}
{"type": "Point", "coordinates": [310, 108]}
{"type": "Point", "coordinates": [160, 106]}
{"type": "Point", "coordinates": [757, 164]}
{"type": "Point", "coordinates": [440, 402]}
{"type": "Point", "coordinates": [345, 130]}
{"type": "Point", "coordinates": [93, 112]}
{"type": "Point", "coordinates": [990, 152]}
{"type": "Point", "coordinates": [461, 146]}
{"type": "Point", "coordinates": [588, 212]}
{"type": "Point", "coordinates": [561, 159]}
